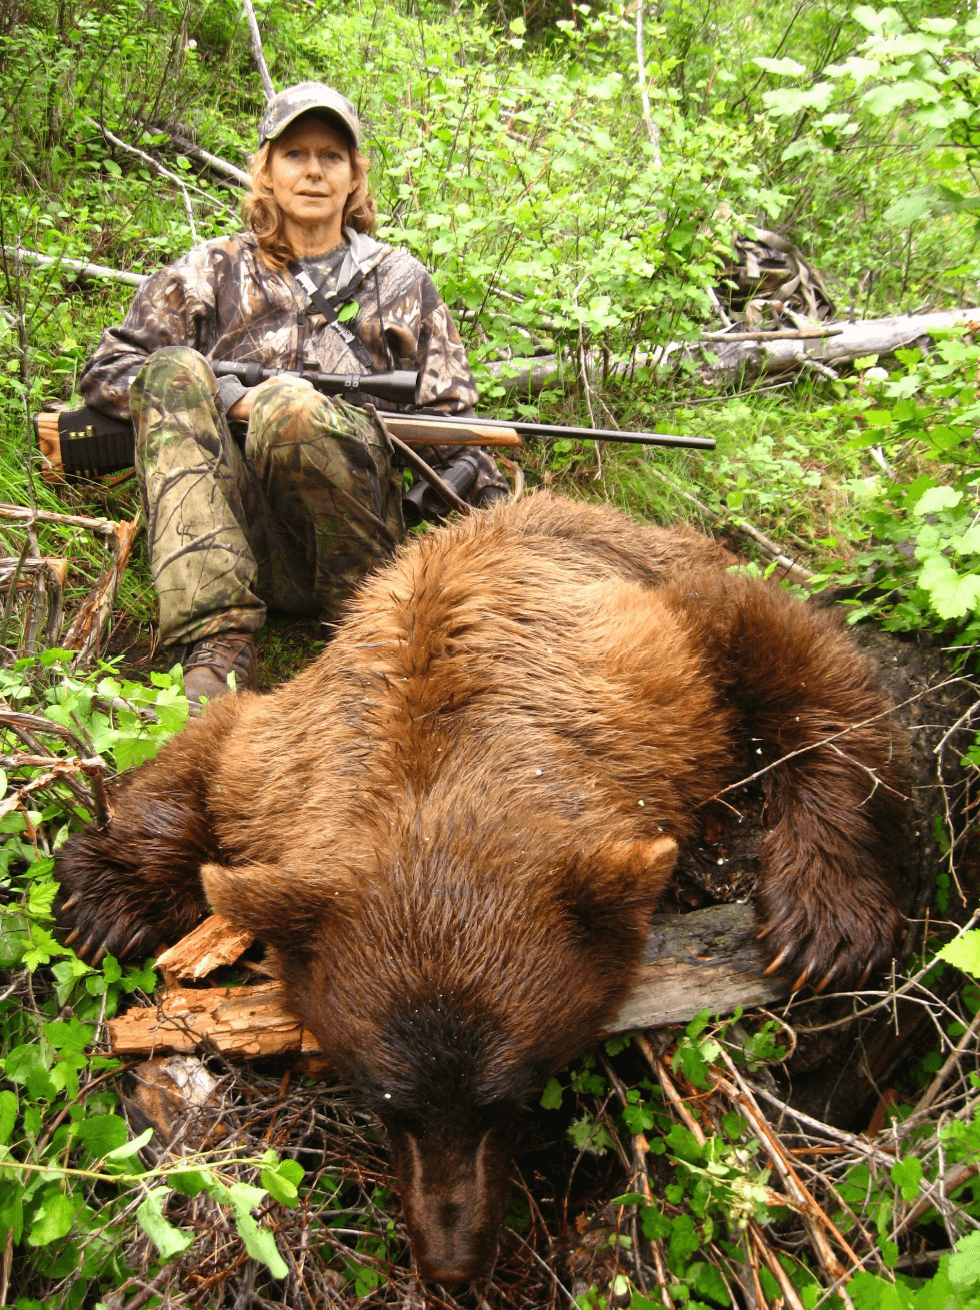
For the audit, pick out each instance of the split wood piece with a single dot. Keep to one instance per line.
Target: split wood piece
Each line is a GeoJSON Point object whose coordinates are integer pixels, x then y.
{"type": "Point", "coordinates": [49, 444]}
{"type": "Point", "coordinates": [706, 960]}
{"type": "Point", "coordinates": [90, 622]}
{"type": "Point", "coordinates": [213, 943]}
{"type": "Point", "coordinates": [248, 1023]}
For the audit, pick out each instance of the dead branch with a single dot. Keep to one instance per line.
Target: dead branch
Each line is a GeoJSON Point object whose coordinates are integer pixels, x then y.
{"type": "Point", "coordinates": [257, 52]}
{"type": "Point", "coordinates": [779, 334]}
{"type": "Point", "coordinates": [710, 958]}
{"type": "Point", "coordinates": [105, 527]}
{"type": "Point", "coordinates": [76, 266]}
{"type": "Point", "coordinates": [230, 171]}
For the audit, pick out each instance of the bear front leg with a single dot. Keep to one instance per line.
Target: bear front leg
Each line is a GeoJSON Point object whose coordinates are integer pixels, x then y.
{"type": "Point", "coordinates": [834, 780]}
{"type": "Point", "coordinates": [135, 884]}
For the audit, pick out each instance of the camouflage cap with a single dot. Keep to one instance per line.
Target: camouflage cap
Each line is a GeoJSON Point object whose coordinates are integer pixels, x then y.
{"type": "Point", "coordinates": [288, 105]}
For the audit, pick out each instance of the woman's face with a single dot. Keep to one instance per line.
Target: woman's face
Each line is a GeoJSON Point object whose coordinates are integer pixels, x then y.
{"type": "Point", "coordinates": [311, 175]}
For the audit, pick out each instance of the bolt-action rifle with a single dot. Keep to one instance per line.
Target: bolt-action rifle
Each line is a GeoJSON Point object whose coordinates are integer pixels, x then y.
{"type": "Point", "coordinates": [85, 443]}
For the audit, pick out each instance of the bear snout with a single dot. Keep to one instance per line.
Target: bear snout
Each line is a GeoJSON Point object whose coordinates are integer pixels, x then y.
{"type": "Point", "coordinates": [453, 1196]}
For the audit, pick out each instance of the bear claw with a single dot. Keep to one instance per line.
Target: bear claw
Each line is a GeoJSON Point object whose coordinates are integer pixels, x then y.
{"type": "Point", "coordinates": [779, 961]}
{"type": "Point", "coordinates": [801, 981]}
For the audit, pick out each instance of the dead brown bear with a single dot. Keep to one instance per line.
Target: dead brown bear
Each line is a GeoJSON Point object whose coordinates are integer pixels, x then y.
{"type": "Point", "coordinates": [453, 828]}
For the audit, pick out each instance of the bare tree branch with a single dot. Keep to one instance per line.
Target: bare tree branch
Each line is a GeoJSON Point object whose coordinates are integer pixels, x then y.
{"type": "Point", "coordinates": [257, 54]}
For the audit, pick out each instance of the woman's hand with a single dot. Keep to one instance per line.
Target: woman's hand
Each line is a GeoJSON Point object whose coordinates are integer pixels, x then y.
{"type": "Point", "coordinates": [242, 407]}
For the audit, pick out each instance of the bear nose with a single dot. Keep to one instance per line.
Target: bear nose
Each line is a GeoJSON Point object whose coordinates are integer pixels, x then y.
{"type": "Point", "coordinates": [449, 1272]}
{"type": "Point", "coordinates": [449, 1253]}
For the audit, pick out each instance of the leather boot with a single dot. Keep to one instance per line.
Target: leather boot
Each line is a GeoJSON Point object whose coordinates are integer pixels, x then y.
{"type": "Point", "coordinates": [209, 663]}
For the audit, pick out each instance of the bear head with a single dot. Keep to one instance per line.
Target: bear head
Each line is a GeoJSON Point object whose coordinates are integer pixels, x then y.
{"type": "Point", "coordinates": [448, 979]}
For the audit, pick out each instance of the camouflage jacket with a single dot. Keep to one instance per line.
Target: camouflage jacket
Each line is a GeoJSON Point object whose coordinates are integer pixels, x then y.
{"type": "Point", "coordinates": [221, 300]}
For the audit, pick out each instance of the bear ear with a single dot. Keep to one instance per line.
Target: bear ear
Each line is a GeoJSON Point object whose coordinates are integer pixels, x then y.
{"type": "Point", "coordinates": [610, 887]}
{"type": "Point", "coordinates": [282, 908]}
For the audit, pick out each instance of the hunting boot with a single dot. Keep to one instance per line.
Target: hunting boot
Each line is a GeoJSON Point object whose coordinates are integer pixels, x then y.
{"type": "Point", "coordinates": [209, 663]}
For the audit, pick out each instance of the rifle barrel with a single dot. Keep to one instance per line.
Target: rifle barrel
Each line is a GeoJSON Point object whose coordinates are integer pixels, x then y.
{"type": "Point", "coordinates": [556, 430]}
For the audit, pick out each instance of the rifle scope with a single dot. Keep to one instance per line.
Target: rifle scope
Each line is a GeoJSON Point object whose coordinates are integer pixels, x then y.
{"type": "Point", "coordinates": [398, 386]}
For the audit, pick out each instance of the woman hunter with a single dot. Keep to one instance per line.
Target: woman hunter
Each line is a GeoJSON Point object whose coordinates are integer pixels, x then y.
{"type": "Point", "coordinates": [275, 495]}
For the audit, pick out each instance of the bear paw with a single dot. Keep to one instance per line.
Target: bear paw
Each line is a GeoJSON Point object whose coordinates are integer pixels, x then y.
{"type": "Point", "coordinates": [827, 933]}
{"type": "Point", "coordinates": [96, 928]}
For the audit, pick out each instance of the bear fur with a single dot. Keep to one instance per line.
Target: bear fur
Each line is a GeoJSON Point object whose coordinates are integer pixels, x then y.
{"type": "Point", "coordinates": [452, 829]}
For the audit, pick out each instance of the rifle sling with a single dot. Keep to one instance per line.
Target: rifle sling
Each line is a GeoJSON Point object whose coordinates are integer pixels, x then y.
{"type": "Point", "coordinates": [330, 306]}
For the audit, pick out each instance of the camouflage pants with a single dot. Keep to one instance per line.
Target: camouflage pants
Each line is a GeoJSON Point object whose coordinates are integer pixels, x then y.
{"type": "Point", "coordinates": [293, 519]}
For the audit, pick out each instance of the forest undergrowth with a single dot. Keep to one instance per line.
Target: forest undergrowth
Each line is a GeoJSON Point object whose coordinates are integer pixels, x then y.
{"type": "Point", "coordinates": [563, 213]}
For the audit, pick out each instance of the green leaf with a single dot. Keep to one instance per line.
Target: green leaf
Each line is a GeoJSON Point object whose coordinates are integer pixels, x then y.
{"type": "Point", "coordinates": [129, 1149]}
{"type": "Point", "coordinates": [878, 418]}
{"type": "Point", "coordinates": [167, 1239]}
{"type": "Point", "coordinates": [951, 595]}
{"type": "Point", "coordinates": [102, 1134]}
{"type": "Point", "coordinates": [784, 102]}
{"type": "Point", "coordinates": [964, 1265]}
{"type": "Point", "coordinates": [963, 952]}
{"type": "Point", "coordinates": [190, 1182]}
{"type": "Point", "coordinates": [72, 1036]}
{"type": "Point", "coordinates": [782, 67]}
{"type": "Point", "coordinates": [53, 1219]}
{"type": "Point", "coordinates": [587, 1135]}
{"type": "Point", "coordinates": [279, 1187]}
{"type": "Point", "coordinates": [698, 1024]}
{"type": "Point", "coordinates": [259, 1242]}
{"type": "Point", "coordinates": [907, 1173]}
{"type": "Point", "coordinates": [936, 499]}
{"type": "Point", "coordinates": [656, 1226]}
{"type": "Point", "coordinates": [684, 1241]}
{"type": "Point", "coordinates": [552, 1094]}
{"type": "Point", "coordinates": [709, 1282]}
{"type": "Point", "coordinates": [8, 1115]}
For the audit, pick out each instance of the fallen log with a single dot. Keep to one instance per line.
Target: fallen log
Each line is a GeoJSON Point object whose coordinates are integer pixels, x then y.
{"type": "Point", "coordinates": [709, 959]}
{"type": "Point", "coordinates": [723, 357]}
{"type": "Point", "coordinates": [843, 343]}
{"type": "Point", "coordinates": [706, 960]}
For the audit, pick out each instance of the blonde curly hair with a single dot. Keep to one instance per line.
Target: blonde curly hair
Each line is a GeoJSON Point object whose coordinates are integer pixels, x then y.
{"type": "Point", "coordinates": [265, 218]}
